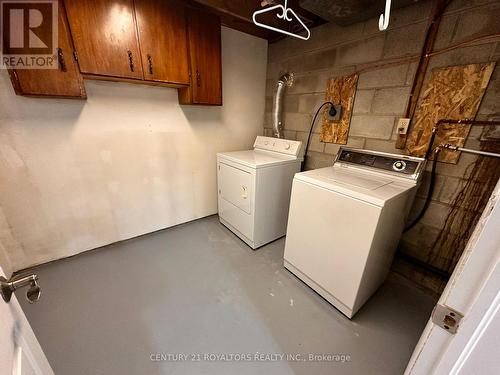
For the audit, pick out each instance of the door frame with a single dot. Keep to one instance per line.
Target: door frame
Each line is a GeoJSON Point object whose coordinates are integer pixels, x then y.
{"type": "Point", "coordinates": [473, 291]}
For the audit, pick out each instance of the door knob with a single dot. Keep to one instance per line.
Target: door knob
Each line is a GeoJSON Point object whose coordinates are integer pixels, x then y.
{"type": "Point", "coordinates": [7, 287]}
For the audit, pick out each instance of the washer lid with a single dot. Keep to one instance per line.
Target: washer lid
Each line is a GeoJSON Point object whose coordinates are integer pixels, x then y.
{"type": "Point", "coordinates": [257, 159]}
{"type": "Point", "coordinates": [355, 179]}
{"type": "Point", "coordinates": [365, 186]}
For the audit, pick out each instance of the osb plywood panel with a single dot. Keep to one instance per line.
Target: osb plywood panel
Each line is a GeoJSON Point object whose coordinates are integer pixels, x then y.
{"type": "Point", "coordinates": [340, 90]}
{"type": "Point", "coordinates": [452, 93]}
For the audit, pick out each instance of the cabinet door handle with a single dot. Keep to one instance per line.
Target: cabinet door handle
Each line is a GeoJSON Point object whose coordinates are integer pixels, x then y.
{"type": "Point", "coordinates": [150, 64]}
{"type": "Point", "coordinates": [60, 60]}
{"type": "Point", "coordinates": [130, 60]}
{"type": "Point", "coordinates": [198, 78]}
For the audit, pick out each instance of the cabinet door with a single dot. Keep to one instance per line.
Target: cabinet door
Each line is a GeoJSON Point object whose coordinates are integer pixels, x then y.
{"type": "Point", "coordinates": [204, 37]}
{"type": "Point", "coordinates": [163, 40]}
{"type": "Point", "coordinates": [66, 81]}
{"type": "Point", "coordinates": [105, 37]}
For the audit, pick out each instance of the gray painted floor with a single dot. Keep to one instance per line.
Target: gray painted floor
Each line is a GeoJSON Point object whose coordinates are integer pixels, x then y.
{"type": "Point", "coordinates": [197, 289]}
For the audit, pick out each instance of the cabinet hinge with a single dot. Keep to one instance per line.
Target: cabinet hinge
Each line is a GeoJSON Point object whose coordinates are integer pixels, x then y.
{"type": "Point", "coordinates": [446, 318]}
{"type": "Point", "coordinates": [75, 55]}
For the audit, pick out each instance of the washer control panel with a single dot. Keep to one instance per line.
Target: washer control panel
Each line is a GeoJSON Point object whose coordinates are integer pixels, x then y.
{"type": "Point", "coordinates": [283, 146]}
{"type": "Point", "coordinates": [400, 164]}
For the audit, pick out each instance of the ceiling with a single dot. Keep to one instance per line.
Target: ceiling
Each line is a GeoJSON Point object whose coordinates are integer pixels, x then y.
{"type": "Point", "coordinates": [347, 12]}
{"type": "Point", "coordinates": [237, 14]}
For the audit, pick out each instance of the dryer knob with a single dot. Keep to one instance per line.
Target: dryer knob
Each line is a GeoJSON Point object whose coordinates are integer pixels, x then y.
{"type": "Point", "coordinates": [287, 146]}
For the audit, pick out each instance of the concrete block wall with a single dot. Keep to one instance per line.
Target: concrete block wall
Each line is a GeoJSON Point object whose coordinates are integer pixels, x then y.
{"type": "Point", "coordinates": [386, 63]}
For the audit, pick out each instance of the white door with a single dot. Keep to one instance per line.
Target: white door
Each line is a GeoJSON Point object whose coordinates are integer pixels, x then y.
{"type": "Point", "coordinates": [20, 352]}
{"type": "Point", "coordinates": [474, 291]}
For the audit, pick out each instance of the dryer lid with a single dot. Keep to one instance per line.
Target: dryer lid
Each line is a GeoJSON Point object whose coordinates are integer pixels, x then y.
{"type": "Point", "coordinates": [257, 158]}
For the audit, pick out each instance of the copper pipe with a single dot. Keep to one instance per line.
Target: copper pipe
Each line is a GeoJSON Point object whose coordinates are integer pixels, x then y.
{"type": "Point", "coordinates": [423, 63]}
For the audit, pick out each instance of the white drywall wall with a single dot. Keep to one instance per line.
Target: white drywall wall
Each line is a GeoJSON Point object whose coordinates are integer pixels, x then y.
{"type": "Point", "coordinates": [76, 175]}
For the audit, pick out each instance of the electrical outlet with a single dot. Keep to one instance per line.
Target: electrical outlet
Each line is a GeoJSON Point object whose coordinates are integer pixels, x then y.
{"type": "Point", "coordinates": [403, 124]}
{"type": "Point", "coordinates": [338, 115]}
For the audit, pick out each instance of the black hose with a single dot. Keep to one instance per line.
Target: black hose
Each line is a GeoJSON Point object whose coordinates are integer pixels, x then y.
{"type": "Point", "coordinates": [310, 132]}
{"type": "Point", "coordinates": [432, 183]}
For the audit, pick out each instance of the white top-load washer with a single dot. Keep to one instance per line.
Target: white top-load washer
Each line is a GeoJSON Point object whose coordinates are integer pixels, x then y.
{"type": "Point", "coordinates": [345, 223]}
{"type": "Point", "coordinates": [254, 188]}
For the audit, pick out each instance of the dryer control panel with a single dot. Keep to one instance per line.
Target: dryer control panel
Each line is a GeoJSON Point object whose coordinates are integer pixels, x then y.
{"type": "Point", "coordinates": [283, 146]}
{"type": "Point", "coordinates": [406, 166]}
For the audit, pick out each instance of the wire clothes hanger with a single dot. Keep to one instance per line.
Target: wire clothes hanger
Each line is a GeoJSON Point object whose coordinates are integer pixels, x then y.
{"type": "Point", "coordinates": [287, 14]}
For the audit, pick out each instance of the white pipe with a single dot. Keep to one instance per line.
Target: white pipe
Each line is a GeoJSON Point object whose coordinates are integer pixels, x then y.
{"type": "Point", "coordinates": [471, 151]}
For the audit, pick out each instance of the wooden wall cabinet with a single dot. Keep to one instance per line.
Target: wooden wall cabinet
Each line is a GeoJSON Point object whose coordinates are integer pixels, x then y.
{"type": "Point", "coordinates": [159, 42]}
{"type": "Point", "coordinates": [105, 37]}
{"type": "Point", "coordinates": [161, 25]}
{"type": "Point", "coordinates": [66, 81]}
{"type": "Point", "coordinates": [141, 39]}
{"type": "Point", "coordinates": [204, 41]}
